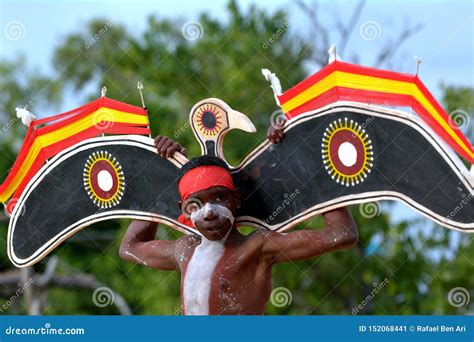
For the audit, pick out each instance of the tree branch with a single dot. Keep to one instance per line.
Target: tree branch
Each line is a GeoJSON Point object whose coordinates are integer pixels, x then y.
{"type": "Point", "coordinates": [40, 283]}
{"type": "Point", "coordinates": [346, 30]}
{"type": "Point", "coordinates": [392, 47]}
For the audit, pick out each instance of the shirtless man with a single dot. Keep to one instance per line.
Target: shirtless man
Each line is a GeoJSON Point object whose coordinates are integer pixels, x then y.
{"type": "Point", "coordinates": [224, 272]}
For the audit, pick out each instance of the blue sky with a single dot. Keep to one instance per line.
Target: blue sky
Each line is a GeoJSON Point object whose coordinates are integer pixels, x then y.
{"type": "Point", "coordinates": [445, 43]}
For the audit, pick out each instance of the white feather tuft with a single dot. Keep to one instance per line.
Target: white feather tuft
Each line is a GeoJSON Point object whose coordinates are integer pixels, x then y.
{"type": "Point", "coordinates": [275, 82]}
{"type": "Point", "coordinates": [26, 116]}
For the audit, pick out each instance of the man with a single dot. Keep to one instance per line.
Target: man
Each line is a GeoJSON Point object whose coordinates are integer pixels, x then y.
{"type": "Point", "coordinates": [224, 272]}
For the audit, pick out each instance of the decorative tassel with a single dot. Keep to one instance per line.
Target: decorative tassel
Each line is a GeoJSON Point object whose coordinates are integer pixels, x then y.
{"type": "Point", "coordinates": [26, 116]}
{"type": "Point", "coordinates": [275, 83]}
{"type": "Point", "coordinates": [418, 62]}
{"type": "Point", "coordinates": [333, 56]}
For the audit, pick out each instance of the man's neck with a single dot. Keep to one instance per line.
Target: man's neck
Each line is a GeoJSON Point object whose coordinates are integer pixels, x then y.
{"type": "Point", "coordinates": [232, 235]}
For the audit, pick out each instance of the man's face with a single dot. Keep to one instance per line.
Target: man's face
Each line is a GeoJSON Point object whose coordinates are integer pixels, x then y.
{"type": "Point", "coordinates": [215, 220]}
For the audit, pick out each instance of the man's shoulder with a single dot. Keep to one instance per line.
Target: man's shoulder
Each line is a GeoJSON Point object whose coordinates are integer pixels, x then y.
{"type": "Point", "coordinates": [189, 240]}
{"type": "Point", "coordinates": [259, 236]}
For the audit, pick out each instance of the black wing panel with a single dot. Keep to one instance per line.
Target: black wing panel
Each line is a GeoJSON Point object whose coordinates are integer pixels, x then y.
{"type": "Point", "coordinates": [92, 182]}
{"type": "Point", "coordinates": [348, 156]}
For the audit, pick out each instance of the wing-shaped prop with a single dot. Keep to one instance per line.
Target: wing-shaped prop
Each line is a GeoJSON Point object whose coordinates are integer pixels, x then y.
{"type": "Point", "coordinates": [347, 154]}
{"type": "Point", "coordinates": [83, 166]}
{"type": "Point", "coordinates": [97, 162]}
{"type": "Point", "coordinates": [342, 149]}
{"type": "Point", "coordinates": [96, 180]}
{"type": "Point", "coordinates": [71, 175]}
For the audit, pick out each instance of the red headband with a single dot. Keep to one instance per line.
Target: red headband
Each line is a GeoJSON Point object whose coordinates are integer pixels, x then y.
{"type": "Point", "coordinates": [204, 177]}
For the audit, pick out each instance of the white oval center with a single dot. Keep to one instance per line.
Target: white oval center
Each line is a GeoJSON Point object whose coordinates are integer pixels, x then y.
{"type": "Point", "coordinates": [347, 154]}
{"type": "Point", "coordinates": [104, 180]}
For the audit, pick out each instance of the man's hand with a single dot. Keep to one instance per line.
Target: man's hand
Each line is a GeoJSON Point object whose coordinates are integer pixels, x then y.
{"type": "Point", "coordinates": [275, 134]}
{"type": "Point", "coordinates": [340, 232]}
{"type": "Point", "coordinates": [166, 147]}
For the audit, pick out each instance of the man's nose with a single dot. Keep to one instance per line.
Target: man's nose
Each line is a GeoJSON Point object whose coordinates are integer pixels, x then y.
{"type": "Point", "coordinates": [210, 215]}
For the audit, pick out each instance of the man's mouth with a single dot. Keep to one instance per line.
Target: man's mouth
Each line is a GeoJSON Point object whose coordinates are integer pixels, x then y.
{"type": "Point", "coordinates": [216, 227]}
{"type": "Point", "coordinates": [213, 229]}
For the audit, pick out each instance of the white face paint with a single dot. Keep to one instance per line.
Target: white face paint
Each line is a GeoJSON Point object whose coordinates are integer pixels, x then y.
{"type": "Point", "coordinates": [220, 210]}
{"type": "Point", "coordinates": [197, 280]}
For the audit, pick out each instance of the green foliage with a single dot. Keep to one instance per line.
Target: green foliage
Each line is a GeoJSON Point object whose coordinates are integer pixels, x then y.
{"type": "Point", "coordinates": [20, 87]}
{"type": "Point", "coordinates": [459, 103]}
{"type": "Point", "coordinates": [458, 98]}
{"type": "Point", "coordinates": [178, 72]}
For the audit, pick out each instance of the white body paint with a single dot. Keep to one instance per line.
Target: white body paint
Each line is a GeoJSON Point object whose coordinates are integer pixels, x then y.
{"type": "Point", "coordinates": [197, 280]}
{"type": "Point", "coordinates": [141, 261]}
{"type": "Point", "coordinates": [198, 276]}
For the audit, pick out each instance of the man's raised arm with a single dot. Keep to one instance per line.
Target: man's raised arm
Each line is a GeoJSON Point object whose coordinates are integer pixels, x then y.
{"type": "Point", "coordinates": [139, 246]}
{"type": "Point", "coordinates": [340, 232]}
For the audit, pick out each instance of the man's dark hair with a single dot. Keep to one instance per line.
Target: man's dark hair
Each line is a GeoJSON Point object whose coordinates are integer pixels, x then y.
{"type": "Point", "coordinates": [201, 161]}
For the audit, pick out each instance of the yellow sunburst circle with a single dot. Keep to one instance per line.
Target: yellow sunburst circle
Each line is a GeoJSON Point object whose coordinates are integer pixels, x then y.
{"type": "Point", "coordinates": [104, 180]}
{"type": "Point", "coordinates": [347, 152]}
{"type": "Point", "coordinates": [209, 119]}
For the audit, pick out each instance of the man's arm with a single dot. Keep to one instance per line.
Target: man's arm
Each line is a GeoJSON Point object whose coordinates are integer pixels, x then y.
{"type": "Point", "coordinates": [139, 246]}
{"type": "Point", "coordinates": [340, 232]}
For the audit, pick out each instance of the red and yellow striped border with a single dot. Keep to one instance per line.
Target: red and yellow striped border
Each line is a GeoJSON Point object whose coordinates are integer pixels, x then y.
{"type": "Point", "coordinates": [102, 116]}
{"type": "Point", "coordinates": [344, 81]}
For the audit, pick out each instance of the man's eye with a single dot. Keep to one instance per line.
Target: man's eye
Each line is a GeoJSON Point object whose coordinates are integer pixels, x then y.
{"type": "Point", "coordinates": [219, 198]}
